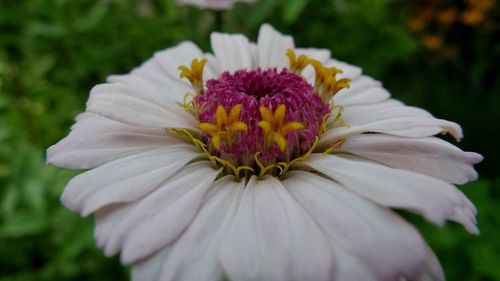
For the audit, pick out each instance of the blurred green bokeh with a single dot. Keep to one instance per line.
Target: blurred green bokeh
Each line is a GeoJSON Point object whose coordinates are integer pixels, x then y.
{"type": "Point", "coordinates": [437, 54]}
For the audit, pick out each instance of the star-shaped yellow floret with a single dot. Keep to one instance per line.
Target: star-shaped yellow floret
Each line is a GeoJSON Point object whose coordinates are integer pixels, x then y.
{"type": "Point", "coordinates": [225, 127]}
{"type": "Point", "coordinates": [297, 64]}
{"type": "Point", "coordinates": [326, 81]}
{"type": "Point", "coordinates": [194, 74]}
{"type": "Point", "coordinates": [274, 127]}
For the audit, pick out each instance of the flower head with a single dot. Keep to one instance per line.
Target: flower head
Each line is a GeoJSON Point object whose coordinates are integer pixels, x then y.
{"type": "Point", "coordinates": [262, 161]}
{"type": "Point", "coordinates": [212, 4]}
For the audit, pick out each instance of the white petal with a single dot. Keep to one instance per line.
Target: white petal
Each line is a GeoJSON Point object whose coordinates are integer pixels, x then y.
{"type": "Point", "coordinates": [348, 70]}
{"type": "Point", "coordinates": [415, 127]}
{"type": "Point", "coordinates": [96, 140]}
{"type": "Point", "coordinates": [432, 270]}
{"type": "Point", "coordinates": [212, 4]}
{"type": "Point", "coordinates": [388, 109]}
{"type": "Point", "coordinates": [114, 222]}
{"type": "Point", "coordinates": [436, 200]}
{"type": "Point", "coordinates": [212, 69]}
{"type": "Point", "coordinates": [272, 47]}
{"type": "Point", "coordinates": [370, 242]}
{"type": "Point", "coordinates": [272, 238]}
{"type": "Point", "coordinates": [106, 220]}
{"type": "Point", "coordinates": [124, 180]}
{"type": "Point", "coordinates": [430, 156]}
{"type": "Point", "coordinates": [233, 51]}
{"type": "Point", "coordinates": [138, 108]}
{"type": "Point", "coordinates": [322, 55]}
{"type": "Point", "coordinates": [360, 92]}
{"type": "Point", "coordinates": [194, 254]}
{"type": "Point", "coordinates": [150, 268]}
{"type": "Point", "coordinates": [160, 218]}
{"type": "Point", "coordinates": [368, 96]}
{"type": "Point", "coordinates": [151, 77]}
{"type": "Point", "coordinates": [254, 53]}
{"type": "Point", "coordinates": [159, 75]}
{"type": "Point", "coordinates": [88, 122]}
{"type": "Point", "coordinates": [170, 59]}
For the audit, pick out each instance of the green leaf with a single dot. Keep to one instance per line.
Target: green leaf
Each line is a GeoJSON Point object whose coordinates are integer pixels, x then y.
{"type": "Point", "coordinates": [292, 10]}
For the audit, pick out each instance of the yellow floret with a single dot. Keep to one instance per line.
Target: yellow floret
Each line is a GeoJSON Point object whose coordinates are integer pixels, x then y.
{"type": "Point", "coordinates": [274, 128]}
{"type": "Point", "coordinates": [225, 127]}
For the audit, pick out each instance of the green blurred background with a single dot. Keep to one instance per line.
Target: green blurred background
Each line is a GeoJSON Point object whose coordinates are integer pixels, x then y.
{"type": "Point", "coordinates": [437, 54]}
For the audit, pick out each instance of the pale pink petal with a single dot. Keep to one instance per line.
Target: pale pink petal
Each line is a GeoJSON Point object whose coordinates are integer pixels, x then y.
{"type": "Point", "coordinates": [432, 270]}
{"type": "Point", "coordinates": [233, 51]}
{"type": "Point", "coordinates": [212, 69]}
{"type": "Point", "coordinates": [85, 125]}
{"type": "Point", "coordinates": [150, 77]}
{"type": "Point", "coordinates": [362, 90]}
{"type": "Point", "coordinates": [370, 242]}
{"type": "Point", "coordinates": [353, 96]}
{"type": "Point", "coordinates": [115, 223]}
{"type": "Point", "coordinates": [348, 70]}
{"type": "Point", "coordinates": [126, 179]}
{"type": "Point", "coordinates": [254, 53]}
{"type": "Point", "coordinates": [388, 109]}
{"type": "Point", "coordinates": [127, 105]}
{"type": "Point", "coordinates": [96, 140]}
{"type": "Point", "coordinates": [436, 200]}
{"type": "Point", "coordinates": [272, 238]}
{"type": "Point", "coordinates": [150, 268]}
{"type": "Point", "coordinates": [212, 4]}
{"type": "Point", "coordinates": [106, 220]}
{"type": "Point", "coordinates": [194, 254]}
{"type": "Point", "coordinates": [322, 55]}
{"type": "Point", "coordinates": [170, 59]}
{"type": "Point", "coordinates": [430, 156]}
{"type": "Point", "coordinates": [414, 127]}
{"type": "Point", "coordinates": [159, 75]}
{"type": "Point", "coordinates": [168, 210]}
{"type": "Point", "coordinates": [272, 47]}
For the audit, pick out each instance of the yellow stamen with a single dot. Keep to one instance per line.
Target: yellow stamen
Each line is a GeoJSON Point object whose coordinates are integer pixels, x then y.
{"type": "Point", "coordinates": [286, 166]}
{"type": "Point", "coordinates": [297, 64]}
{"type": "Point", "coordinates": [326, 83]}
{"type": "Point", "coordinates": [334, 146]}
{"type": "Point", "coordinates": [194, 74]}
{"type": "Point", "coordinates": [274, 128]}
{"type": "Point", "coordinates": [189, 137]}
{"type": "Point", "coordinates": [225, 127]}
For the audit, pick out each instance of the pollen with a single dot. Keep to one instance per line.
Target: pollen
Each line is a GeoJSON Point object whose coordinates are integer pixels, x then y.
{"type": "Point", "coordinates": [226, 126]}
{"type": "Point", "coordinates": [194, 74]}
{"type": "Point", "coordinates": [274, 128]}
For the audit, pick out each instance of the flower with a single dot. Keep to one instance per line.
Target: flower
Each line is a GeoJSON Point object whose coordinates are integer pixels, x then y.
{"type": "Point", "coordinates": [261, 161]}
{"type": "Point", "coordinates": [212, 4]}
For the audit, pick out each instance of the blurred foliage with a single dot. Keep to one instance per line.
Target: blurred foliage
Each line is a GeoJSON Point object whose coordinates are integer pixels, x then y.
{"type": "Point", "coordinates": [464, 256]}
{"type": "Point", "coordinates": [441, 55]}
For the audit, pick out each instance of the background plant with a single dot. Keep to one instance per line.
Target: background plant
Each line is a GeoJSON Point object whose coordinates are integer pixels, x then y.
{"type": "Point", "coordinates": [53, 51]}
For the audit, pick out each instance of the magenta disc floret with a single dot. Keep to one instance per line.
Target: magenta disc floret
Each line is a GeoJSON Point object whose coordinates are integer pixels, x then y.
{"type": "Point", "coordinates": [270, 88]}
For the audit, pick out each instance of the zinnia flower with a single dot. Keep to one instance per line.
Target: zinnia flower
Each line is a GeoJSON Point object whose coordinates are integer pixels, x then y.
{"type": "Point", "coordinates": [261, 162]}
{"type": "Point", "coordinates": [212, 4]}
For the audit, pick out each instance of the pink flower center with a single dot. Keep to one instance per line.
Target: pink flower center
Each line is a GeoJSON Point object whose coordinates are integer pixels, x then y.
{"type": "Point", "coordinates": [274, 116]}
{"type": "Point", "coordinates": [262, 122]}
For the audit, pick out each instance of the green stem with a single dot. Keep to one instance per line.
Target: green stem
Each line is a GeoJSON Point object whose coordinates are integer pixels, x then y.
{"type": "Point", "coordinates": [219, 20]}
